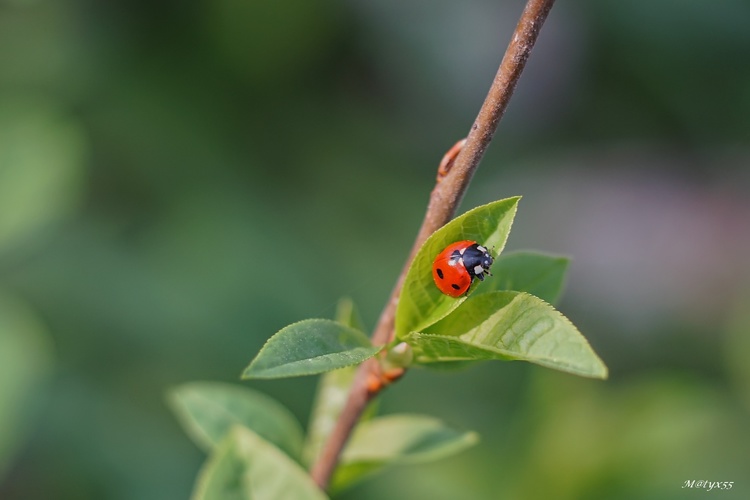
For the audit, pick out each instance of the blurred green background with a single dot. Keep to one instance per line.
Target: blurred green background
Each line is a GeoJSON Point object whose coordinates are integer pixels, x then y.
{"type": "Point", "coordinates": [179, 180]}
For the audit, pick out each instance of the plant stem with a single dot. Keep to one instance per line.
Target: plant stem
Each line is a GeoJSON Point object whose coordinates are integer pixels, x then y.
{"type": "Point", "coordinates": [444, 200]}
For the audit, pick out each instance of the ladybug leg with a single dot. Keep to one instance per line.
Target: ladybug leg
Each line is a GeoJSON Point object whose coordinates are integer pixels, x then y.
{"type": "Point", "coordinates": [479, 272]}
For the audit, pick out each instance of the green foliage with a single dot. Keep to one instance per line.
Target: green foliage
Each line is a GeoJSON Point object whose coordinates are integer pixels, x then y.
{"type": "Point", "coordinates": [24, 364]}
{"type": "Point", "coordinates": [421, 303]}
{"type": "Point", "coordinates": [42, 172]}
{"type": "Point", "coordinates": [641, 437]}
{"type": "Point", "coordinates": [330, 398]}
{"type": "Point", "coordinates": [347, 314]}
{"type": "Point", "coordinates": [536, 273]}
{"type": "Point", "coordinates": [309, 347]}
{"type": "Point", "coordinates": [208, 410]}
{"type": "Point", "coordinates": [486, 323]}
{"type": "Point", "coordinates": [333, 390]}
{"type": "Point", "coordinates": [248, 434]}
{"type": "Point", "coordinates": [508, 326]}
{"type": "Point", "coordinates": [42, 154]}
{"type": "Point", "coordinates": [737, 348]}
{"type": "Point", "coordinates": [208, 144]}
{"type": "Point", "coordinates": [495, 323]}
{"type": "Point", "coordinates": [245, 466]}
{"type": "Point", "coordinates": [397, 440]}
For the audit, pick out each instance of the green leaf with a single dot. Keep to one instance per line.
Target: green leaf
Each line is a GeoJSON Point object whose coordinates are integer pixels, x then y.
{"type": "Point", "coordinates": [535, 273]}
{"type": "Point", "coordinates": [245, 466]}
{"type": "Point", "coordinates": [509, 326]}
{"type": "Point", "coordinates": [405, 439]}
{"type": "Point", "coordinates": [331, 396]}
{"type": "Point", "coordinates": [208, 411]}
{"type": "Point", "coordinates": [397, 439]}
{"type": "Point", "coordinates": [333, 391]}
{"type": "Point", "coordinates": [42, 165]}
{"type": "Point", "coordinates": [25, 364]}
{"type": "Point", "coordinates": [348, 315]}
{"type": "Point", "coordinates": [309, 347]}
{"type": "Point", "coordinates": [421, 303]}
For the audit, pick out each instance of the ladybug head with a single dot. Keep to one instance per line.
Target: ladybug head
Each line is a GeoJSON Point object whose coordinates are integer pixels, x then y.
{"type": "Point", "coordinates": [477, 261]}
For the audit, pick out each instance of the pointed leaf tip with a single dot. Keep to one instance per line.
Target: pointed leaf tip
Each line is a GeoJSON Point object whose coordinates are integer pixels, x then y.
{"type": "Point", "coordinates": [508, 326]}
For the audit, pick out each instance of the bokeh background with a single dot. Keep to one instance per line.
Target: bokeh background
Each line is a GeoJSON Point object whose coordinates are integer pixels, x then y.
{"type": "Point", "coordinates": [179, 180]}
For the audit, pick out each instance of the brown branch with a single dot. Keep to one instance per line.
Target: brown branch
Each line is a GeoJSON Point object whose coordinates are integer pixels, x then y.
{"type": "Point", "coordinates": [444, 200]}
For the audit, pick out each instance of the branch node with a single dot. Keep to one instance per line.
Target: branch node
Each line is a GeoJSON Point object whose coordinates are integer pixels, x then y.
{"type": "Point", "coordinates": [449, 158]}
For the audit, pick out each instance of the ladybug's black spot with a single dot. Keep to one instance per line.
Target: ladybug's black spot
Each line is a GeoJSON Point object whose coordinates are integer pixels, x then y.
{"type": "Point", "coordinates": [439, 273]}
{"type": "Point", "coordinates": [455, 286]}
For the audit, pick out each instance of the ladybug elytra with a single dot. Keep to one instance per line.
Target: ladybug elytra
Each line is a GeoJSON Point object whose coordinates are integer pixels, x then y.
{"type": "Point", "coordinates": [456, 267]}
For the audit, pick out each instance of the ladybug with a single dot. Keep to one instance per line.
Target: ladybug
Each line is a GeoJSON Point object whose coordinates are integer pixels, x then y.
{"type": "Point", "coordinates": [456, 267]}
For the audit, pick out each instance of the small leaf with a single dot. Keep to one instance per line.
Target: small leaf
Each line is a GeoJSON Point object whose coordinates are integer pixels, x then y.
{"type": "Point", "coordinates": [397, 439]}
{"type": "Point", "coordinates": [421, 303]}
{"type": "Point", "coordinates": [25, 364]}
{"type": "Point", "coordinates": [244, 466]}
{"type": "Point", "coordinates": [333, 391]}
{"type": "Point", "coordinates": [309, 347]}
{"type": "Point", "coordinates": [535, 273]}
{"type": "Point", "coordinates": [510, 326]}
{"type": "Point", "coordinates": [348, 314]}
{"type": "Point", "coordinates": [43, 154]}
{"type": "Point", "coordinates": [209, 410]}
{"type": "Point", "coordinates": [405, 439]}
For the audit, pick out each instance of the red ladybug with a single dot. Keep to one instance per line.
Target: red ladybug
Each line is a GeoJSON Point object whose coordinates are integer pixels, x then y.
{"type": "Point", "coordinates": [456, 267]}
